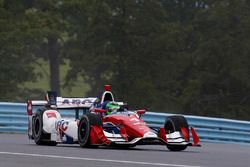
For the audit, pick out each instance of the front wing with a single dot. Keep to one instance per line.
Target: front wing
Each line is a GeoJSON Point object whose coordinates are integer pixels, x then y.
{"type": "Point", "coordinates": [99, 136]}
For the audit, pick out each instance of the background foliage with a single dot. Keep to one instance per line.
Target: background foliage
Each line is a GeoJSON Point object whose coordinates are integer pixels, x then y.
{"type": "Point", "coordinates": [179, 56]}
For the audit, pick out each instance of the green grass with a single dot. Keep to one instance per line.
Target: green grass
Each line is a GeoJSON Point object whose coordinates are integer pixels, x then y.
{"type": "Point", "coordinates": [79, 88]}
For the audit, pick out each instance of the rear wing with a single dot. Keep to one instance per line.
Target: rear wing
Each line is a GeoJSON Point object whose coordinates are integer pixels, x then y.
{"type": "Point", "coordinates": [62, 103]}
{"type": "Point", "coordinates": [67, 103]}
{"type": "Point", "coordinates": [52, 101]}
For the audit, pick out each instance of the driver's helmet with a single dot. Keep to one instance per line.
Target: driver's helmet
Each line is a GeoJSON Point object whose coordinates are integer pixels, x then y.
{"type": "Point", "coordinates": [112, 107]}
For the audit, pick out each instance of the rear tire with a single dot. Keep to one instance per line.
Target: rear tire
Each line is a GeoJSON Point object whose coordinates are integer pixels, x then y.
{"type": "Point", "coordinates": [84, 128]}
{"type": "Point", "coordinates": [173, 124]}
{"type": "Point", "coordinates": [40, 137]}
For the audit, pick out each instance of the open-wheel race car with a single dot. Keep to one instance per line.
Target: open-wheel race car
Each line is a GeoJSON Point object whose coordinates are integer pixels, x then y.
{"type": "Point", "coordinates": [103, 122]}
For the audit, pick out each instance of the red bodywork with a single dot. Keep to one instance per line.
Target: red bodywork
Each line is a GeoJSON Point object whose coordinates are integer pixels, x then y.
{"type": "Point", "coordinates": [97, 136]}
{"type": "Point", "coordinates": [134, 126]}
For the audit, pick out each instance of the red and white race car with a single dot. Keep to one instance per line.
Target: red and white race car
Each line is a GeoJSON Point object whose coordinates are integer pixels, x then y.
{"type": "Point", "coordinates": [95, 127]}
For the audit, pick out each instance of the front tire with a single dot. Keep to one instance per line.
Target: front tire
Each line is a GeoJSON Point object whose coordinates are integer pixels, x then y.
{"type": "Point", "coordinates": [173, 124]}
{"type": "Point", "coordinates": [40, 137]}
{"type": "Point", "coordinates": [84, 128]}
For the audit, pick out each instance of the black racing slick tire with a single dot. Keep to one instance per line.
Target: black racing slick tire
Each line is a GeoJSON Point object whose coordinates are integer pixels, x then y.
{"type": "Point", "coordinates": [40, 137]}
{"type": "Point", "coordinates": [175, 123]}
{"type": "Point", "coordinates": [84, 128]}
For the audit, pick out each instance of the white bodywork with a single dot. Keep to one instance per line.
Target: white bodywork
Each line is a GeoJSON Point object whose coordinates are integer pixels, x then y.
{"type": "Point", "coordinates": [61, 129]}
{"type": "Point", "coordinates": [50, 117]}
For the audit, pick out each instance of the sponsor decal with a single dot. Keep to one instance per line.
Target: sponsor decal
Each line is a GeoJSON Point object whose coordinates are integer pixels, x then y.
{"type": "Point", "coordinates": [62, 125]}
{"type": "Point", "coordinates": [76, 101]}
{"type": "Point", "coordinates": [51, 115]}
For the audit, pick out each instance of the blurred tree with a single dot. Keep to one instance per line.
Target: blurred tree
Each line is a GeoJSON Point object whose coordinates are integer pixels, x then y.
{"type": "Point", "coordinates": [46, 17]}
{"type": "Point", "coordinates": [15, 50]}
{"type": "Point", "coordinates": [177, 56]}
{"type": "Point", "coordinates": [222, 60]}
{"type": "Point", "coordinates": [39, 29]}
{"type": "Point", "coordinates": [116, 48]}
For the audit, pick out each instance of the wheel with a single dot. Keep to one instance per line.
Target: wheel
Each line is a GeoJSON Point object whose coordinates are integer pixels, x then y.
{"type": "Point", "coordinates": [173, 124]}
{"type": "Point", "coordinates": [40, 137]}
{"type": "Point", "coordinates": [84, 128]}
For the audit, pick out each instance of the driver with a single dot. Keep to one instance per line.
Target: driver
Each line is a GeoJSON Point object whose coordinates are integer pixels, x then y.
{"type": "Point", "coordinates": [112, 107]}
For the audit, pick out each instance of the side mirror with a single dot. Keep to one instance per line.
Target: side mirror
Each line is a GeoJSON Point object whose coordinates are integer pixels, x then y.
{"type": "Point", "coordinates": [99, 110]}
{"type": "Point", "coordinates": [140, 112]}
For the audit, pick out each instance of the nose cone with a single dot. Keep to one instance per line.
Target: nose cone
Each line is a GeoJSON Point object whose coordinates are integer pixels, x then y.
{"type": "Point", "coordinates": [134, 126]}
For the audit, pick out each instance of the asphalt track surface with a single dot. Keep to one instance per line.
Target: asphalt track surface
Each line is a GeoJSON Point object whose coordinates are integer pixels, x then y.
{"type": "Point", "coordinates": [17, 151]}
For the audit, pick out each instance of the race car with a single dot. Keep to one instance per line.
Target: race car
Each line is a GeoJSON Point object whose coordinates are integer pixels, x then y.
{"type": "Point", "coordinates": [103, 122]}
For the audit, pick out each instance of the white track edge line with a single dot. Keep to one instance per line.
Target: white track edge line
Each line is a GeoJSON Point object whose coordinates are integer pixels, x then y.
{"type": "Point", "coordinates": [94, 159]}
